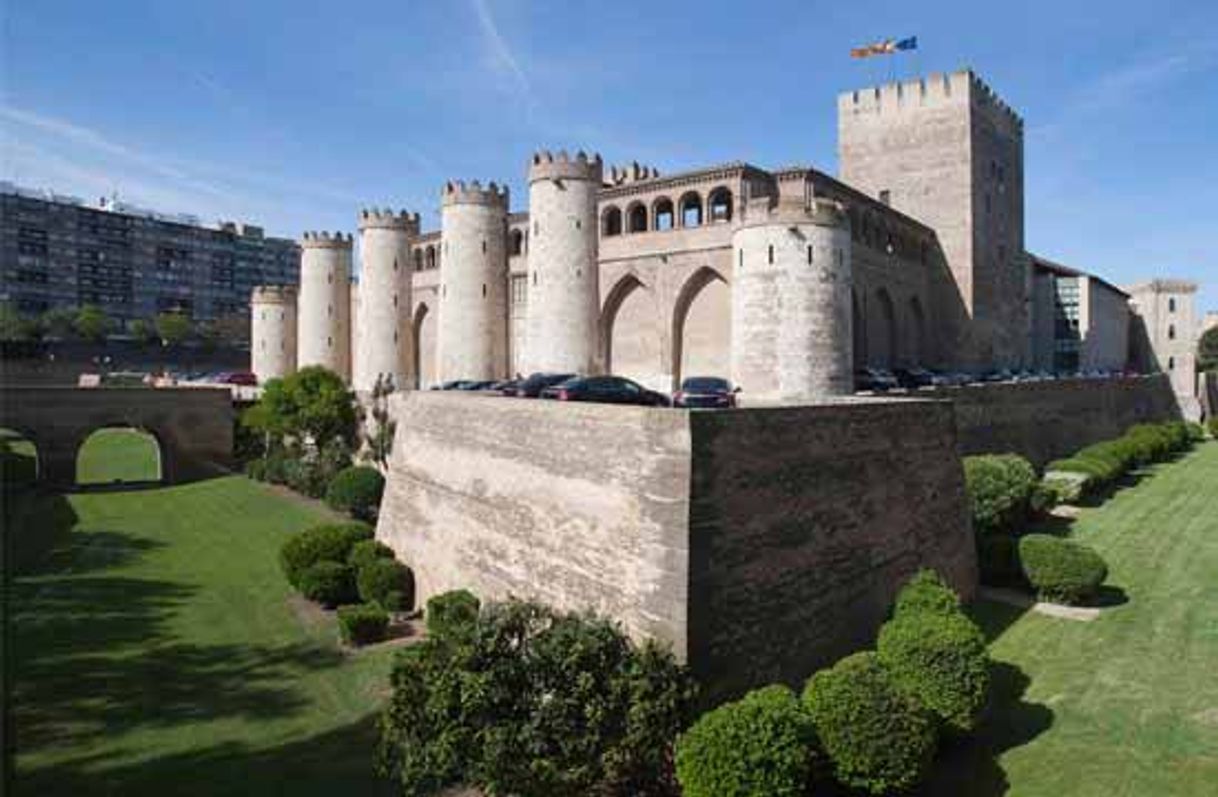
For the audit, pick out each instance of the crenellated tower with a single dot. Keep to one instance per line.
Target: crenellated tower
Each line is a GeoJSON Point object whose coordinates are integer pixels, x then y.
{"type": "Point", "coordinates": [382, 329]}
{"type": "Point", "coordinates": [791, 307]}
{"type": "Point", "coordinates": [272, 332]}
{"type": "Point", "coordinates": [563, 277]}
{"type": "Point", "coordinates": [324, 302]}
{"type": "Point", "coordinates": [472, 327]}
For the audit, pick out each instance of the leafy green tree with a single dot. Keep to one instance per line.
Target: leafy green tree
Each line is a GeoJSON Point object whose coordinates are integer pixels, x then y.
{"type": "Point", "coordinates": [312, 404]}
{"type": "Point", "coordinates": [173, 328]}
{"type": "Point", "coordinates": [15, 326]}
{"type": "Point", "coordinates": [143, 330]}
{"type": "Point", "coordinates": [1207, 350]}
{"type": "Point", "coordinates": [92, 323]}
{"type": "Point", "coordinates": [59, 322]}
{"type": "Point", "coordinates": [380, 438]}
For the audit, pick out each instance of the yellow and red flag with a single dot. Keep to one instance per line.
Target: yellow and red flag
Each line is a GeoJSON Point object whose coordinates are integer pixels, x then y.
{"type": "Point", "coordinates": [885, 47]}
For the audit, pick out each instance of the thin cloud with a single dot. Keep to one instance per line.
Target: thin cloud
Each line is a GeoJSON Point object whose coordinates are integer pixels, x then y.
{"type": "Point", "coordinates": [499, 51]}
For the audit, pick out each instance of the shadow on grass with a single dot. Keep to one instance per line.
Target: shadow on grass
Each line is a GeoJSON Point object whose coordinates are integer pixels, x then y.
{"type": "Point", "coordinates": [1109, 596]}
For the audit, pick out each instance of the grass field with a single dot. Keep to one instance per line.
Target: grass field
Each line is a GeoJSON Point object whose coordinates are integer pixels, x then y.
{"type": "Point", "coordinates": [1128, 704]}
{"type": "Point", "coordinates": [123, 455]}
{"type": "Point", "coordinates": [157, 651]}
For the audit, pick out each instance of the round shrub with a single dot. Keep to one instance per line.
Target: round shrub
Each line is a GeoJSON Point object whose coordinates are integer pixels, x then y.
{"type": "Point", "coordinates": [362, 623]}
{"type": "Point", "coordinates": [1061, 570]}
{"type": "Point", "coordinates": [387, 582]}
{"type": "Point", "coordinates": [999, 488]}
{"type": "Point", "coordinates": [761, 745]}
{"type": "Point", "coordinates": [877, 737]}
{"type": "Point", "coordinates": [357, 490]}
{"type": "Point", "coordinates": [452, 614]}
{"type": "Point", "coordinates": [329, 583]}
{"type": "Point", "coordinates": [329, 542]}
{"type": "Point", "coordinates": [366, 552]}
{"type": "Point", "coordinates": [926, 591]}
{"type": "Point", "coordinates": [938, 659]}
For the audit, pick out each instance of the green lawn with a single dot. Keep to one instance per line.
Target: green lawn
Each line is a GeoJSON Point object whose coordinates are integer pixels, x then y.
{"type": "Point", "coordinates": [123, 455]}
{"type": "Point", "coordinates": [157, 650]}
{"type": "Point", "coordinates": [1127, 704]}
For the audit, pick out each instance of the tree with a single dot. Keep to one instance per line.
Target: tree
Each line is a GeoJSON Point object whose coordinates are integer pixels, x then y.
{"type": "Point", "coordinates": [232, 329]}
{"type": "Point", "coordinates": [1207, 350]}
{"type": "Point", "coordinates": [380, 438]}
{"type": "Point", "coordinates": [15, 326]}
{"type": "Point", "coordinates": [143, 330]}
{"type": "Point", "coordinates": [59, 322]}
{"type": "Point", "coordinates": [173, 328]}
{"type": "Point", "coordinates": [312, 404]}
{"type": "Point", "coordinates": [92, 323]}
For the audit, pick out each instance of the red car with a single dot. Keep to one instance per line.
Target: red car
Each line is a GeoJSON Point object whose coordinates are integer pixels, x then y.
{"type": "Point", "coordinates": [244, 378]}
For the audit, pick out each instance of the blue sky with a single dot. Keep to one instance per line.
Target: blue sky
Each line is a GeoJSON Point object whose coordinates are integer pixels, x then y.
{"type": "Point", "coordinates": [295, 113]}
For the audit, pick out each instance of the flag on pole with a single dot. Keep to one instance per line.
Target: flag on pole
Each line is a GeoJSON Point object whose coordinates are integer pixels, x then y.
{"type": "Point", "coordinates": [885, 47]}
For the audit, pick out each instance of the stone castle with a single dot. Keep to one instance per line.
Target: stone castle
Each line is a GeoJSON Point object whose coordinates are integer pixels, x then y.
{"type": "Point", "coordinates": [783, 280]}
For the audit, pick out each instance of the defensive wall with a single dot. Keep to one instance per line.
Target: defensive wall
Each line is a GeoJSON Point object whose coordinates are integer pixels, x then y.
{"type": "Point", "coordinates": [761, 544]}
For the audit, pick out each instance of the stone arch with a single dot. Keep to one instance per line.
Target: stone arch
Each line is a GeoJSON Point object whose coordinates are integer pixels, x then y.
{"type": "Point", "coordinates": [719, 205]}
{"type": "Point", "coordinates": [881, 331]}
{"type": "Point", "coordinates": [636, 217]}
{"type": "Point", "coordinates": [690, 206]}
{"type": "Point", "coordinates": [695, 286]}
{"type": "Point", "coordinates": [611, 221]}
{"type": "Point", "coordinates": [158, 437]}
{"type": "Point", "coordinates": [663, 216]}
{"type": "Point", "coordinates": [424, 340]}
{"type": "Point", "coordinates": [418, 260]}
{"type": "Point", "coordinates": [17, 464]}
{"type": "Point", "coordinates": [915, 335]}
{"type": "Point", "coordinates": [858, 330]}
{"type": "Point", "coordinates": [630, 330]}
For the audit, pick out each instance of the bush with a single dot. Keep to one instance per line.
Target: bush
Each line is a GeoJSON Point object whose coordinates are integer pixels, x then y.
{"type": "Point", "coordinates": [1044, 498]}
{"type": "Point", "coordinates": [329, 583]}
{"type": "Point", "coordinates": [533, 702]}
{"type": "Point", "coordinates": [878, 738]}
{"type": "Point", "coordinates": [939, 659]}
{"type": "Point", "coordinates": [761, 745]}
{"type": "Point", "coordinates": [999, 488]}
{"type": "Point", "coordinates": [356, 489]}
{"type": "Point", "coordinates": [330, 542]}
{"type": "Point", "coordinates": [387, 582]}
{"type": "Point", "coordinates": [365, 552]}
{"type": "Point", "coordinates": [998, 559]}
{"type": "Point", "coordinates": [451, 615]}
{"type": "Point", "coordinates": [1067, 486]}
{"type": "Point", "coordinates": [1196, 432]}
{"type": "Point", "coordinates": [362, 623]}
{"type": "Point", "coordinates": [1212, 424]}
{"type": "Point", "coordinates": [1061, 570]}
{"type": "Point", "coordinates": [926, 591]}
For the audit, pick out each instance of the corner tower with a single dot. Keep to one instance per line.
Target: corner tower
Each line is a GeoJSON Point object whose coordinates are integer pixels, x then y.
{"type": "Point", "coordinates": [948, 151]}
{"type": "Point", "coordinates": [272, 332]}
{"type": "Point", "coordinates": [382, 328]}
{"type": "Point", "coordinates": [791, 307]}
{"type": "Point", "coordinates": [563, 276]}
{"type": "Point", "coordinates": [472, 325]}
{"type": "Point", "coordinates": [323, 310]}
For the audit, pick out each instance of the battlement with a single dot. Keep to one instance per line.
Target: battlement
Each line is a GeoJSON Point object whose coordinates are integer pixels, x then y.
{"type": "Point", "coordinates": [790, 209]}
{"type": "Point", "coordinates": [273, 294]}
{"type": "Point", "coordinates": [962, 87]}
{"type": "Point", "coordinates": [548, 166]}
{"type": "Point", "coordinates": [458, 192]}
{"type": "Point", "coordinates": [631, 173]}
{"type": "Point", "coordinates": [375, 218]}
{"type": "Point", "coordinates": [325, 240]}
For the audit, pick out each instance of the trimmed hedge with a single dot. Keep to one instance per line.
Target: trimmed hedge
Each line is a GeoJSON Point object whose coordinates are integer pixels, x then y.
{"type": "Point", "coordinates": [365, 552]}
{"type": "Point", "coordinates": [329, 583]}
{"type": "Point", "coordinates": [761, 745]}
{"type": "Point", "coordinates": [1060, 570]}
{"type": "Point", "coordinates": [451, 615]}
{"type": "Point", "coordinates": [1102, 463]}
{"type": "Point", "coordinates": [362, 623]}
{"type": "Point", "coordinates": [939, 659]}
{"type": "Point", "coordinates": [357, 490]}
{"type": "Point", "coordinates": [387, 582]}
{"type": "Point", "coordinates": [878, 738]}
{"type": "Point", "coordinates": [926, 591]}
{"type": "Point", "coordinates": [1000, 488]}
{"type": "Point", "coordinates": [329, 542]}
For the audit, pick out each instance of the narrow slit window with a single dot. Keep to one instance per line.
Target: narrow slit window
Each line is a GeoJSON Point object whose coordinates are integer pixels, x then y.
{"type": "Point", "coordinates": [771, 254]}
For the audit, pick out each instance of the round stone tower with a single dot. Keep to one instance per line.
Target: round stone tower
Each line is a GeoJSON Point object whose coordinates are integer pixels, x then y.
{"type": "Point", "coordinates": [471, 333]}
{"type": "Point", "coordinates": [272, 332]}
{"type": "Point", "coordinates": [563, 278]}
{"type": "Point", "coordinates": [323, 310]}
{"type": "Point", "coordinates": [791, 300]}
{"type": "Point", "coordinates": [382, 328]}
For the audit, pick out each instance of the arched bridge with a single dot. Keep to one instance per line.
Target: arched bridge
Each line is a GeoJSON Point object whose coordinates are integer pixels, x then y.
{"type": "Point", "coordinates": [193, 426]}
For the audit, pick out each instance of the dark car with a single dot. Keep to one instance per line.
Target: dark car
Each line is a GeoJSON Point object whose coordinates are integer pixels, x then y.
{"type": "Point", "coordinates": [532, 387]}
{"type": "Point", "coordinates": [913, 378]}
{"type": "Point", "coordinates": [244, 378]}
{"type": "Point", "coordinates": [874, 379]}
{"type": "Point", "coordinates": [705, 391]}
{"type": "Point", "coordinates": [481, 384]}
{"type": "Point", "coordinates": [606, 390]}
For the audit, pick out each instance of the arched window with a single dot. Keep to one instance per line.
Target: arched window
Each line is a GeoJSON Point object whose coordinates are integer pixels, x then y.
{"type": "Point", "coordinates": [720, 205]}
{"type": "Point", "coordinates": [1171, 305]}
{"type": "Point", "coordinates": [431, 257]}
{"type": "Point", "coordinates": [691, 210]}
{"type": "Point", "coordinates": [1171, 331]}
{"type": "Point", "coordinates": [516, 244]}
{"type": "Point", "coordinates": [636, 218]}
{"type": "Point", "coordinates": [611, 221]}
{"type": "Point", "coordinates": [662, 212]}
{"type": "Point", "coordinates": [418, 260]}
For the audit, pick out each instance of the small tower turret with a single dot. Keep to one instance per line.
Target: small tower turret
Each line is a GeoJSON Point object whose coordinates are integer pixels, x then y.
{"type": "Point", "coordinates": [273, 332]}
{"type": "Point", "coordinates": [382, 328]}
{"type": "Point", "coordinates": [324, 302]}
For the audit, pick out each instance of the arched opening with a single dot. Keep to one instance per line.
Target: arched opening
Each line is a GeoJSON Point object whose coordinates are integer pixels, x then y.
{"type": "Point", "coordinates": [701, 327]}
{"type": "Point", "coordinates": [119, 455]}
{"type": "Point", "coordinates": [858, 330]}
{"type": "Point", "coordinates": [18, 460]}
{"type": "Point", "coordinates": [720, 205]}
{"type": "Point", "coordinates": [611, 221]}
{"type": "Point", "coordinates": [636, 217]}
{"type": "Point", "coordinates": [1171, 331]}
{"type": "Point", "coordinates": [662, 212]}
{"type": "Point", "coordinates": [516, 243]}
{"type": "Point", "coordinates": [418, 260]}
{"type": "Point", "coordinates": [424, 346]}
{"type": "Point", "coordinates": [630, 332]}
{"type": "Point", "coordinates": [916, 333]}
{"type": "Point", "coordinates": [430, 257]}
{"type": "Point", "coordinates": [882, 331]}
{"type": "Point", "coordinates": [691, 210]}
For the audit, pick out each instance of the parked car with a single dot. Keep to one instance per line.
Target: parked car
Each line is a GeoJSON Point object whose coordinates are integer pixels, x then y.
{"type": "Point", "coordinates": [532, 387]}
{"type": "Point", "coordinates": [914, 378]}
{"type": "Point", "coordinates": [478, 384]}
{"type": "Point", "coordinates": [705, 391]}
{"type": "Point", "coordinates": [876, 380]}
{"type": "Point", "coordinates": [606, 390]}
{"type": "Point", "coordinates": [244, 378]}
{"type": "Point", "coordinates": [452, 384]}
